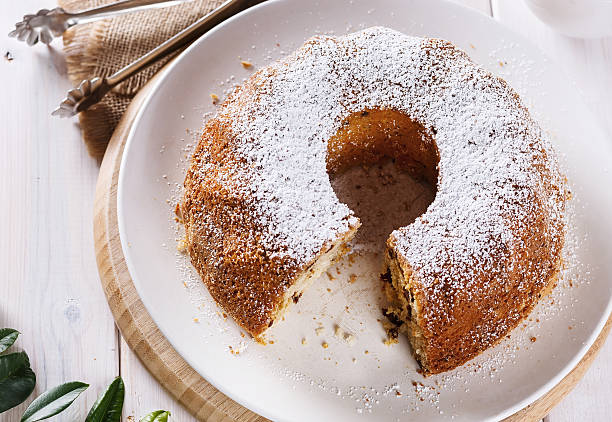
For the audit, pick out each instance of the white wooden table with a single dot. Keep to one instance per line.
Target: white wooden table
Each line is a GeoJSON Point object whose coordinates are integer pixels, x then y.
{"type": "Point", "coordinates": [50, 290]}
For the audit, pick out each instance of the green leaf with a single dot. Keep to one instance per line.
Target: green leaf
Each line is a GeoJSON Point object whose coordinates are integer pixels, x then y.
{"type": "Point", "coordinates": [53, 401]}
{"type": "Point", "coordinates": [109, 405]}
{"type": "Point", "coordinates": [17, 380]}
{"type": "Point", "coordinates": [7, 338]}
{"type": "Point", "coordinates": [156, 416]}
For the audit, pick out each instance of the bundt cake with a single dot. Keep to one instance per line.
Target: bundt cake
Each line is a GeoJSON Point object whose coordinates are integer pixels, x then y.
{"type": "Point", "coordinates": [262, 220]}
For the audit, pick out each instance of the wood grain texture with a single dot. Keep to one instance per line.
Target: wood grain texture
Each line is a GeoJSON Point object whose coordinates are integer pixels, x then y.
{"type": "Point", "coordinates": [155, 351]}
{"type": "Point", "coordinates": [143, 392]}
{"type": "Point", "coordinates": [49, 288]}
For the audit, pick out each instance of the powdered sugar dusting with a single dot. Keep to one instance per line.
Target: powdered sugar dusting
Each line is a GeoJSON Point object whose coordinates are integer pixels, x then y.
{"type": "Point", "coordinates": [497, 173]}
{"type": "Point", "coordinates": [479, 128]}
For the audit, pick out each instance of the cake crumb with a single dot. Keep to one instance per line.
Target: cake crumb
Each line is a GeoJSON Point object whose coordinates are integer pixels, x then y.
{"type": "Point", "coordinates": [319, 330]}
{"type": "Point", "coordinates": [392, 331]}
{"type": "Point", "coordinates": [214, 98]}
{"type": "Point", "coordinates": [182, 245]}
{"type": "Point", "coordinates": [304, 340]}
{"type": "Point", "coordinates": [349, 338]}
{"type": "Point", "coordinates": [533, 339]}
{"type": "Point", "coordinates": [337, 330]}
{"type": "Point", "coordinates": [246, 64]}
{"type": "Point", "coordinates": [352, 278]}
{"type": "Point", "coordinates": [390, 341]}
{"type": "Point", "coordinates": [365, 352]}
{"type": "Point", "coordinates": [324, 345]}
{"type": "Point", "coordinates": [235, 351]}
{"type": "Point", "coordinates": [331, 277]}
{"type": "Point", "coordinates": [196, 320]}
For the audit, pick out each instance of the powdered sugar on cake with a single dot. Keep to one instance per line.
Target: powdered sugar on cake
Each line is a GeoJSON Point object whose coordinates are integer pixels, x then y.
{"type": "Point", "coordinates": [298, 103]}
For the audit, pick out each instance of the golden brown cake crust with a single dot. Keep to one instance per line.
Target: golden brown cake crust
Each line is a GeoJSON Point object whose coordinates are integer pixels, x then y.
{"type": "Point", "coordinates": [223, 229]}
{"type": "Point", "coordinates": [259, 209]}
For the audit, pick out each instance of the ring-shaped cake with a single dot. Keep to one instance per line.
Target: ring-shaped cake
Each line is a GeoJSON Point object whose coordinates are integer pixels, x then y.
{"type": "Point", "coordinates": [262, 220]}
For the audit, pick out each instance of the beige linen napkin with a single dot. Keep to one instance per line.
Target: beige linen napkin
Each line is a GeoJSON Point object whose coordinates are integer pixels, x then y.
{"type": "Point", "coordinates": [101, 48]}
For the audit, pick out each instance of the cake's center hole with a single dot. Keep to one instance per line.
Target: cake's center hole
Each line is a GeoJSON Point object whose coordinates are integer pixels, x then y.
{"type": "Point", "coordinates": [383, 165]}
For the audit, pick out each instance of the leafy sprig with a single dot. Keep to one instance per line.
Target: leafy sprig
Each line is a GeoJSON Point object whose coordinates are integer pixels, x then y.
{"type": "Point", "coordinates": [108, 406]}
{"type": "Point", "coordinates": [7, 338]}
{"type": "Point", "coordinates": [53, 401]}
{"type": "Point", "coordinates": [17, 381]}
{"type": "Point", "coordinates": [156, 416]}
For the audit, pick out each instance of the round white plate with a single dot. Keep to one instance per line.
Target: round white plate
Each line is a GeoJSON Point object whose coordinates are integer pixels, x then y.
{"type": "Point", "coordinates": [363, 379]}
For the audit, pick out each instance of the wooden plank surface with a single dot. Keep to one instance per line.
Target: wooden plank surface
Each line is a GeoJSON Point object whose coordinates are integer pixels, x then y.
{"type": "Point", "coordinates": [144, 393]}
{"type": "Point", "coordinates": [50, 289]}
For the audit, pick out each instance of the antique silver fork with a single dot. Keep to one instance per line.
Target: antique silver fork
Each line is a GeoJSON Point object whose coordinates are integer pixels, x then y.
{"type": "Point", "coordinates": [47, 24]}
{"type": "Point", "coordinates": [91, 91]}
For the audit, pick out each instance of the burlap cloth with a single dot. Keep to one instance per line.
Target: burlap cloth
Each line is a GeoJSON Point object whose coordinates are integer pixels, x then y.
{"type": "Point", "coordinates": [101, 48]}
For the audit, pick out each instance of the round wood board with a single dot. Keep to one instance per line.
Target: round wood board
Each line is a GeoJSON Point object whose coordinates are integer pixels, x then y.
{"type": "Point", "coordinates": [142, 335]}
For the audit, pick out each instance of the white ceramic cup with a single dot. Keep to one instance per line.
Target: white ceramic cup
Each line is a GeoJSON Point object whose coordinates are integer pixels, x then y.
{"type": "Point", "coordinates": [576, 18]}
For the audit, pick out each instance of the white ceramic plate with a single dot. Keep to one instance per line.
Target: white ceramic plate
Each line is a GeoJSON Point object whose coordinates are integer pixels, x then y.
{"type": "Point", "coordinates": [289, 380]}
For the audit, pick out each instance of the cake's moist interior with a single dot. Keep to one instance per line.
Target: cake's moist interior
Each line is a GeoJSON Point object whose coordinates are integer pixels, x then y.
{"type": "Point", "coordinates": [371, 137]}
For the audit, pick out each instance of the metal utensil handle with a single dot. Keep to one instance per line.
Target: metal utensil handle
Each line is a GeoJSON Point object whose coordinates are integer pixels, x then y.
{"type": "Point", "coordinates": [186, 36]}
{"type": "Point", "coordinates": [118, 8]}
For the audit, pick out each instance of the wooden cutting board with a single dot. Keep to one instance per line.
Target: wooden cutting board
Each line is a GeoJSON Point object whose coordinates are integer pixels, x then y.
{"type": "Point", "coordinates": [142, 335]}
